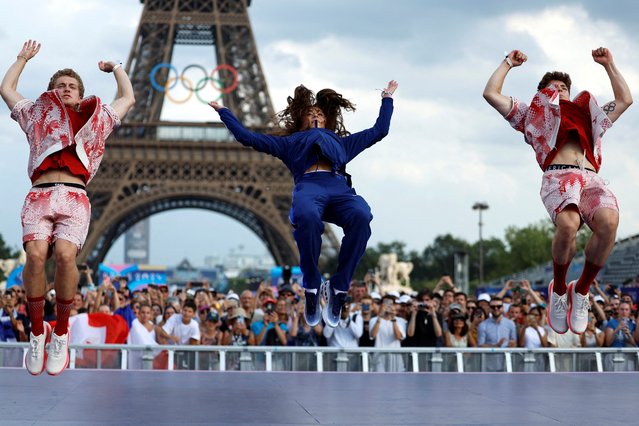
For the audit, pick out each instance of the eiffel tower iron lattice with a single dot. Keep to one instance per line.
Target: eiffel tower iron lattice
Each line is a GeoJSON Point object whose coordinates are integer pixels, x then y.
{"type": "Point", "coordinates": [151, 166]}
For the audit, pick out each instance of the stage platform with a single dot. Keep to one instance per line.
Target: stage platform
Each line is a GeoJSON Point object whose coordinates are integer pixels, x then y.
{"type": "Point", "coordinates": [103, 397]}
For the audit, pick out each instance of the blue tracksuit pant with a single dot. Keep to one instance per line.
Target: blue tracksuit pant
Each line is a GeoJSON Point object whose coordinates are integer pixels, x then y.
{"type": "Point", "coordinates": [324, 196]}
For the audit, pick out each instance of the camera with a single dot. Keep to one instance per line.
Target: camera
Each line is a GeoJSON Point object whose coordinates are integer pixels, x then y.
{"type": "Point", "coordinates": [422, 306]}
{"type": "Point", "coordinates": [348, 299]}
{"type": "Point", "coordinates": [270, 308]}
{"type": "Point", "coordinates": [366, 307]}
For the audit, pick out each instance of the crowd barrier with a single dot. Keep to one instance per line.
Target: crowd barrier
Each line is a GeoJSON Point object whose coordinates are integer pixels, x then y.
{"type": "Point", "coordinates": [294, 358]}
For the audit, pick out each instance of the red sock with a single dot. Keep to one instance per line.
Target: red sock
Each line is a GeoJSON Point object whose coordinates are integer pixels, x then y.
{"type": "Point", "coordinates": [559, 275]}
{"type": "Point", "coordinates": [63, 308]}
{"type": "Point", "coordinates": [588, 275]}
{"type": "Point", "coordinates": [35, 307]}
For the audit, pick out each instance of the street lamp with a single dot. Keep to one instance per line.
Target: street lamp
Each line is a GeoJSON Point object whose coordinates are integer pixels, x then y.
{"type": "Point", "coordinates": [481, 207]}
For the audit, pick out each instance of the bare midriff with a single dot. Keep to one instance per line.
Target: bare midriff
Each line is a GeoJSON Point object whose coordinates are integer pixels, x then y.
{"type": "Point", "coordinates": [321, 165]}
{"type": "Point", "coordinates": [572, 153]}
{"type": "Point", "coordinates": [58, 175]}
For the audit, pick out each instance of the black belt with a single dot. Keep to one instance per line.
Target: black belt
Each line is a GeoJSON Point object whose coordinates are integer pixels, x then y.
{"type": "Point", "coordinates": [52, 184]}
{"type": "Point", "coordinates": [566, 166]}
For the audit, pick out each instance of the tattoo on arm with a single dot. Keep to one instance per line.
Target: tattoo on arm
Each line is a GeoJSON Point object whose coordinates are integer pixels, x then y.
{"type": "Point", "coordinates": [609, 107]}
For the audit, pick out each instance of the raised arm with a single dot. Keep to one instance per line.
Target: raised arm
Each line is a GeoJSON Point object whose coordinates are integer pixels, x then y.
{"type": "Point", "coordinates": [124, 98]}
{"type": "Point", "coordinates": [359, 141]}
{"type": "Point", "coordinates": [492, 91]}
{"type": "Point", "coordinates": [9, 85]}
{"type": "Point", "coordinates": [620, 89]}
{"type": "Point", "coordinates": [276, 146]}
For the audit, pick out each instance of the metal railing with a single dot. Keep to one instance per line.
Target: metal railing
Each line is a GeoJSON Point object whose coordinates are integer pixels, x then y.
{"type": "Point", "coordinates": [294, 358]}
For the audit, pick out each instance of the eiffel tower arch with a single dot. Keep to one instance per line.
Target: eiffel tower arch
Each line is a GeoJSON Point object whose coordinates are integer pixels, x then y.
{"type": "Point", "coordinates": [151, 165]}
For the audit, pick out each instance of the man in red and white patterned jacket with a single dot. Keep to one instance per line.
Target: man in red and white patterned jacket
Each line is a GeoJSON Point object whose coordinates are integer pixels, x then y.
{"type": "Point", "coordinates": [66, 135]}
{"type": "Point", "coordinates": [566, 137]}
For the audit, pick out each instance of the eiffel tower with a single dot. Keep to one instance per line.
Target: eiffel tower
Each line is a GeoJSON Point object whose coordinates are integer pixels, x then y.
{"type": "Point", "coordinates": [151, 166]}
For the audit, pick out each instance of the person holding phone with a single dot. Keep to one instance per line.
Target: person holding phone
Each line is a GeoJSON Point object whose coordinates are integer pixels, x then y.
{"type": "Point", "coordinates": [388, 330]}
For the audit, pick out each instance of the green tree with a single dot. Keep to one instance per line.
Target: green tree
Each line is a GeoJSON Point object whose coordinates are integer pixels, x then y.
{"type": "Point", "coordinates": [529, 246]}
{"type": "Point", "coordinates": [439, 257]}
{"type": "Point", "coordinates": [496, 259]}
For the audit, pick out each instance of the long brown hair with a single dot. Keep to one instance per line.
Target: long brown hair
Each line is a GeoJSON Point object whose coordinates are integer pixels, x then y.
{"type": "Point", "coordinates": [291, 119]}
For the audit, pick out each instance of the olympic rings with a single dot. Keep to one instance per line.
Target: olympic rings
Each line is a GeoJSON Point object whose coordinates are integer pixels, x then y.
{"type": "Point", "coordinates": [168, 83]}
{"type": "Point", "coordinates": [216, 82]}
{"type": "Point", "coordinates": [233, 72]}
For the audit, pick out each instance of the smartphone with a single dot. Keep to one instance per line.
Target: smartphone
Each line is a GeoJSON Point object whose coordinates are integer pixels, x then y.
{"type": "Point", "coordinates": [366, 307]}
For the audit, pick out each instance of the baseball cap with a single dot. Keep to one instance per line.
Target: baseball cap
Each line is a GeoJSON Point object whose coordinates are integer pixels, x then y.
{"type": "Point", "coordinates": [233, 296]}
{"type": "Point", "coordinates": [455, 306]}
{"type": "Point", "coordinates": [599, 299]}
{"type": "Point", "coordinates": [239, 312]}
{"type": "Point", "coordinates": [405, 299]}
{"type": "Point", "coordinates": [393, 293]}
{"type": "Point", "coordinates": [269, 300]}
{"type": "Point", "coordinates": [375, 295]}
{"type": "Point", "coordinates": [485, 297]}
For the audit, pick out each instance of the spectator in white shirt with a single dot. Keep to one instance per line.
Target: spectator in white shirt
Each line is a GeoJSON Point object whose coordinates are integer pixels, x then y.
{"type": "Point", "coordinates": [388, 330]}
{"type": "Point", "coordinates": [348, 330]}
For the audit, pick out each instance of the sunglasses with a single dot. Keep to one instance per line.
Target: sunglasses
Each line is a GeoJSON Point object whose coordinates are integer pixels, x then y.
{"type": "Point", "coordinates": [496, 306]}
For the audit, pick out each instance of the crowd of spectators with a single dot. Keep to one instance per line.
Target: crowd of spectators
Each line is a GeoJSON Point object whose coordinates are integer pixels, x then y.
{"type": "Point", "coordinates": [445, 316]}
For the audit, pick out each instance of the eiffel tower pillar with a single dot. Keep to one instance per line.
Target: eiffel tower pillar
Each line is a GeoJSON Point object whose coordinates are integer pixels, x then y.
{"type": "Point", "coordinates": [151, 166]}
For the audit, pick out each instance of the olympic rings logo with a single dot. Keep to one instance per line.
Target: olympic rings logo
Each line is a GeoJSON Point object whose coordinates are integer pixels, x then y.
{"type": "Point", "coordinates": [215, 78]}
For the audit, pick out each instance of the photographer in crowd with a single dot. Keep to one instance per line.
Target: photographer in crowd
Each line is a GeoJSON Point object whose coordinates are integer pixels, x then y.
{"type": "Point", "coordinates": [270, 331]}
{"type": "Point", "coordinates": [388, 330]}
{"type": "Point", "coordinates": [424, 325]}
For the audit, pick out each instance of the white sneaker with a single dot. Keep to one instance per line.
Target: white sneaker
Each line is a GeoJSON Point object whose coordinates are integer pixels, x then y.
{"type": "Point", "coordinates": [36, 356]}
{"type": "Point", "coordinates": [578, 310]}
{"type": "Point", "coordinates": [557, 310]}
{"type": "Point", "coordinates": [58, 354]}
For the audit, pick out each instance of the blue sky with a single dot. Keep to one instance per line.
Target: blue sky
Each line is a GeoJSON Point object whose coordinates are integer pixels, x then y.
{"type": "Point", "coordinates": [447, 148]}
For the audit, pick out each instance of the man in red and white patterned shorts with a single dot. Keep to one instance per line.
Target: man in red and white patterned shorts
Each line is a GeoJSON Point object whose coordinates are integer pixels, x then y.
{"type": "Point", "coordinates": [566, 136]}
{"type": "Point", "coordinates": [66, 135]}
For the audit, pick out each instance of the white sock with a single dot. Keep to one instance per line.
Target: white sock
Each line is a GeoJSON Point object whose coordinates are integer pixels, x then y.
{"type": "Point", "coordinates": [311, 290]}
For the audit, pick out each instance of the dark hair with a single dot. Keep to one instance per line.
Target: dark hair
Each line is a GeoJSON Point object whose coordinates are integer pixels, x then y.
{"type": "Point", "coordinates": [424, 292]}
{"type": "Point", "coordinates": [291, 119]}
{"type": "Point", "coordinates": [554, 75]}
{"type": "Point", "coordinates": [495, 298]}
{"type": "Point", "coordinates": [535, 309]}
{"type": "Point", "coordinates": [69, 73]}
{"type": "Point", "coordinates": [478, 312]}
{"type": "Point", "coordinates": [451, 324]}
{"type": "Point", "coordinates": [461, 293]}
{"type": "Point", "coordinates": [189, 303]}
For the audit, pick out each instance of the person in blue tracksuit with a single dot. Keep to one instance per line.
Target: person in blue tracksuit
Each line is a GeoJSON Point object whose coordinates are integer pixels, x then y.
{"type": "Point", "coordinates": [316, 147]}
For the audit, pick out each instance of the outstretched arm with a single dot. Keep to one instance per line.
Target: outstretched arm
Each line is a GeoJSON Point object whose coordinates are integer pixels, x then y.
{"type": "Point", "coordinates": [623, 97]}
{"type": "Point", "coordinates": [357, 142]}
{"type": "Point", "coordinates": [276, 146]}
{"type": "Point", "coordinates": [492, 91]}
{"type": "Point", "coordinates": [9, 85]}
{"type": "Point", "coordinates": [125, 98]}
